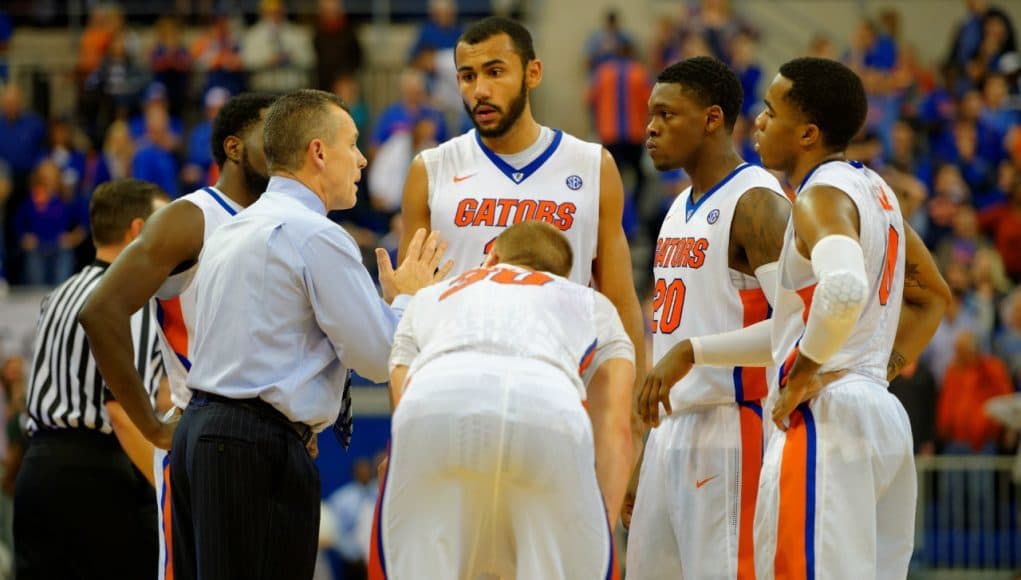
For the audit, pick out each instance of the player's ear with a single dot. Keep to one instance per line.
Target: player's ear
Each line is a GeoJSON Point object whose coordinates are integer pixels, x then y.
{"type": "Point", "coordinates": [810, 134]}
{"type": "Point", "coordinates": [491, 259]}
{"type": "Point", "coordinates": [234, 148]}
{"type": "Point", "coordinates": [533, 73]}
{"type": "Point", "coordinates": [714, 118]}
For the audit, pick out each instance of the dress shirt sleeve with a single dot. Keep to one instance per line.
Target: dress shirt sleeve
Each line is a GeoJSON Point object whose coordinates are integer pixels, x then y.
{"type": "Point", "coordinates": [611, 339]}
{"type": "Point", "coordinates": [405, 347]}
{"type": "Point", "coordinates": [346, 304]}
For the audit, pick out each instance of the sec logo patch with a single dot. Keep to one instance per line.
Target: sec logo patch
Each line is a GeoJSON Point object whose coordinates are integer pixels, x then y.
{"type": "Point", "coordinates": [713, 216]}
{"type": "Point", "coordinates": [574, 182]}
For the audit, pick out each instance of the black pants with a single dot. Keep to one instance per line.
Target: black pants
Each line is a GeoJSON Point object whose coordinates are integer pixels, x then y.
{"type": "Point", "coordinates": [244, 494]}
{"type": "Point", "coordinates": [82, 510]}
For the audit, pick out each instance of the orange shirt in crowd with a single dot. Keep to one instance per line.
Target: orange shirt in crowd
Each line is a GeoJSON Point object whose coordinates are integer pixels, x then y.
{"type": "Point", "coordinates": [961, 414]}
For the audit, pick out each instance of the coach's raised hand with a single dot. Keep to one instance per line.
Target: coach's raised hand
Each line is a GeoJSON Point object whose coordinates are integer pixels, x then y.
{"type": "Point", "coordinates": [420, 268]}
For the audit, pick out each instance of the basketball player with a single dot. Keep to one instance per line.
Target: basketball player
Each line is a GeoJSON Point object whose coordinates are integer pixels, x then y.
{"type": "Point", "coordinates": [715, 268]}
{"type": "Point", "coordinates": [510, 169]}
{"type": "Point", "coordinates": [837, 487]}
{"type": "Point", "coordinates": [498, 474]}
{"type": "Point", "coordinates": [162, 262]}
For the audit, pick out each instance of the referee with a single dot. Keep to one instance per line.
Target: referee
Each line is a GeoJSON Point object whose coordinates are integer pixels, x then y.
{"type": "Point", "coordinates": [81, 510]}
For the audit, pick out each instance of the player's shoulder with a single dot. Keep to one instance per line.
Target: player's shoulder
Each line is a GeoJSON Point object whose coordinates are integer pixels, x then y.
{"type": "Point", "coordinates": [455, 146]}
{"type": "Point", "coordinates": [571, 143]}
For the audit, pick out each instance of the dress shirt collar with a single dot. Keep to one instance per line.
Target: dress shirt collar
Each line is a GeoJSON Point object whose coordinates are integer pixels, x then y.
{"type": "Point", "coordinates": [297, 190]}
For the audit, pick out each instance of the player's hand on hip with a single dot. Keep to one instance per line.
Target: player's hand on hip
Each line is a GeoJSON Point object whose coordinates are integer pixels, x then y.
{"type": "Point", "coordinates": [163, 437]}
{"type": "Point", "coordinates": [656, 388]}
{"type": "Point", "coordinates": [798, 388]}
{"type": "Point", "coordinates": [421, 266]}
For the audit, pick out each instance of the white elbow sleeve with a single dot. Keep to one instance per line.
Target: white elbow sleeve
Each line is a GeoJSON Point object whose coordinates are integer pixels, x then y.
{"type": "Point", "coordinates": [839, 298]}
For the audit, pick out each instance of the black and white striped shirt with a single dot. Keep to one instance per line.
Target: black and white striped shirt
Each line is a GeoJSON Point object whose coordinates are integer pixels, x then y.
{"type": "Point", "coordinates": [65, 389]}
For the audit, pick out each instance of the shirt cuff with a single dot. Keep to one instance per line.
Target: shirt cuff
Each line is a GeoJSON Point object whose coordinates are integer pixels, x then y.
{"type": "Point", "coordinates": [400, 302]}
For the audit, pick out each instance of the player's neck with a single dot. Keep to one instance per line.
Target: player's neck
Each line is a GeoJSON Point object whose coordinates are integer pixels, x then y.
{"type": "Point", "coordinates": [806, 163]}
{"type": "Point", "coordinates": [109, 253]}
{"type": "Point", "coordinates": [714, 165]}
{"type": "Point", "coordinates": [521, 136]}
{"type": "Point", "coordinates": [233, 185]}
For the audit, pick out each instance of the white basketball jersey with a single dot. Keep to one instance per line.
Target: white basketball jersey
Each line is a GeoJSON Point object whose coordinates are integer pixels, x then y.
{"type": "Point", "coordinates": [176, 297]}
{"type": "Point", "coordinates": [511, 311]}
{"type": "Point", "coordinates": [474, 195]}
{"type": "Point", "coordinates": [697, 293]}
{"type": "Point", "coordinates": [867, 351]}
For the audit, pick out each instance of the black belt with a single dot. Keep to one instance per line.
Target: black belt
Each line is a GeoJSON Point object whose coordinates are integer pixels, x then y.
{"type": "Point", "coordinates": [261, 408]}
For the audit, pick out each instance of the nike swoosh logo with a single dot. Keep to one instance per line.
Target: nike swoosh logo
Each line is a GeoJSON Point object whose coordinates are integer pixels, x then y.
{"type": "Point", "coordinates": [458, 179]}
{"type": "Point", "coordinates": [702, 482]}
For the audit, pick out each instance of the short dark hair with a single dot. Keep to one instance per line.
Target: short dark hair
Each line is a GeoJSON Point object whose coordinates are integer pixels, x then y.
{"type": "Point", "coordinates": [537, 245]}
{"type": "Point", "coordinates": [830, 95]}
{"type": "Point", "coordinates": [237, 116]}
{"type": "Point", "coordinates": [294, 120]}
{"type": "Point", "coordinates": [115, 204]}
{"type": "Point", "coordinates": [711, 82]}
{"type": "Point", "coordinates": [489, 27]}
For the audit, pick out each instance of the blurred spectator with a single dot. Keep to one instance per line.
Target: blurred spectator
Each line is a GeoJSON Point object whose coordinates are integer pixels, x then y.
{"type": "Point", "coordinates": [969, 312]}
{"type": "Point", "coordinates": [6, 32]}
{"type": "Point", "coordinates": [715, 23]}
{"type": "Point", "coordinates": [618, 97]}
{"type": "Point", "coordinates": [1003, 222]}
{"type": "Point", "coordinates": [199, 158]}
{"type": "Point", "coordinates": [5, 191]}
{"type": "Point", "coordinates": [156, 97]}
{"type": "Point", "coordinates": [12, 391]}
{"type": "Point", "coordinates": [349, 91]}
{"type": "Point", "coordinates": [67, 157]}
{"type": "Point", "coordinates": [907, 152]}
{"type": "Point", "coordinates": [997, 41]}
{"type": "Point", "coordinates": [964, 243]}
{"type": "Point", "coordinates": [113, 160]}
{"type": "Point", "coordinates": [665, 48]}
{"type": "Point", "coordinates": [439, 33]}
{"type": "Point", "coordinates": [46, 229]}
{"type": "Point", "coordinates": [114, 89]}
{"type": "Point", "coordinates": [745, 64]}
{"type": "Point", "coordinates": [997, 113]}
{"type": "Point", "coordinates": [608, 42]}
{"type": "Point", "coordinates": [1007, 344]}
{"type": "Point", "coordinates": [22, 134]}
{"type": "Point", "coordinates": [949, 192]}
{"type": "Point", "coordinates": [412, 106]}
{"type": "Point", "coordinates": [154, 158]}
{"type": "Point", "coordinates": [217, 54]}
{"type": "Point", "coordinates": [821, 46]}
{"type": "Point", "coordinates": [390, 165]}
{"type": "Point", "coordinates": [170, 62]}
{"type": "Point", "coordinates": [352, 507]}
{"type": "Point", "coordinates": [105, 22]}
{"type": "Point", "coordinates": [971, 379]}
{"type": "Point", "coordinates": [277, 53]}
{"type": "Point", "coordinates": [338, 50]}
{"type": "Point", "coordinates": [915, 387]}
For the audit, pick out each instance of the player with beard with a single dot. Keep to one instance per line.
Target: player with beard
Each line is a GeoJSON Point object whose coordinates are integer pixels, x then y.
{"type": "Point", "coordinates": [511, 169]}
{"type": "Point", "coordinates": [162, 262]}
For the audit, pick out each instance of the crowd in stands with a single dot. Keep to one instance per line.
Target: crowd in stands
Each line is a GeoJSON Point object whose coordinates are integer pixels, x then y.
{"type": "Point", "coordinates": [946, 135]}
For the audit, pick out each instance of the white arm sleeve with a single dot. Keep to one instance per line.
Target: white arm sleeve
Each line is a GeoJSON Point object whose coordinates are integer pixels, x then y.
{"type": "Point", "coordinates": [751, 346]}
{"type": "Point", "coordinates": [611, 340]}
{"type": "Point", "coordinates": [405, 349]}
{"type": "Point", "coordinates": [840, 296]}
{"type": "Point", "coordinates": [768, 278]}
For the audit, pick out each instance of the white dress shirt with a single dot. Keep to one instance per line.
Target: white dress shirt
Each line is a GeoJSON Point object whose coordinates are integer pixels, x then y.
{"type": "Point", "coordinates": [285, 307]}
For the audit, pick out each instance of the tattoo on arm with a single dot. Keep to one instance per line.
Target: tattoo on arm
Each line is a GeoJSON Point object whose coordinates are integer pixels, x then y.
{"type": "Point", "coordinates": [759, 226]}
{"type": "Point", "coordinates": [895, 365]}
